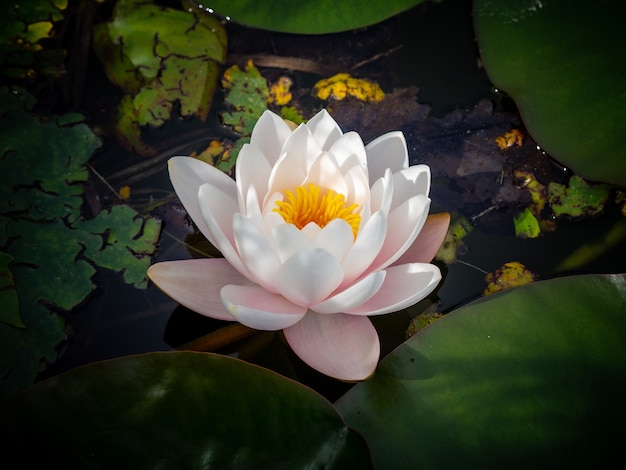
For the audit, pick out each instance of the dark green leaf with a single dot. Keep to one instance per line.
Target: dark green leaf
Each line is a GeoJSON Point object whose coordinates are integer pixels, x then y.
{"type": "Point", "coordinates": [564, 64]}
{"type": "Point", "coordinates": [531, 377]}
{"type": "Point", "coordinates": [176, 410]}
{"type": "Point", "coordinates": [322, 16]}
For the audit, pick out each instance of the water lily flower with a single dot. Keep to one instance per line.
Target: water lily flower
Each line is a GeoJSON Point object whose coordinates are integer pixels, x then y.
{"type": "Point", "coordinates": [318, 232]}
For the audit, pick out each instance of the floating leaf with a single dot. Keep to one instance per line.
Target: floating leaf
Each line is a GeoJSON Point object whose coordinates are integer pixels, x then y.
{"type": "Point", "coordinates": [24, 25]}
{"type": "Point", "coordinates": [578, 198]}
{"type": "Point", "coordinates": [322, 16]}
{"type": "Point", "coordinates": [121, 240]}
{"type": "Point", "coordinates": [511, 274]}
{"type": "Point", "coordinates": [248, 93]}
{"type": "Point", "coordinates": [10, 312]}
{"type": "Point", "coordinates": [526, 224]}
{"type": "Point", "coordinates": [532, 377]}
{"type": "Point", "coordinates": [179, 64]}
{"type": "Point", "coordinates": [564, 64]}
{"type": "Point", "coordinates": [342, 84]}
{"type": "Point", "coordinates": [176, 409]}
{"type": "Point", "coordinates": [53, 249]}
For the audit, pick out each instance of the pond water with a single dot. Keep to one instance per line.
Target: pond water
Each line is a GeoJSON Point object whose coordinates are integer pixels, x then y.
{"type": "Point", "coordinates": [431, 47]}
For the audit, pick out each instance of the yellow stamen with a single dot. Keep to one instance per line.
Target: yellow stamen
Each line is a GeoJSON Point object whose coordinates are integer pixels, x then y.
{"type": "Point", "coordinates": [311, 204]}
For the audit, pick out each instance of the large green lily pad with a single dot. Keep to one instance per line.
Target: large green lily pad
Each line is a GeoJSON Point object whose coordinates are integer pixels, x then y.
{"type": "Point", "coordinates": [564, 64]}
{"type": "Point", "coordinates": [534, 377]}
{"type": "Point", "coordinates": [176, 410]}
{"type": "Point", "coordinates": [321, 16]}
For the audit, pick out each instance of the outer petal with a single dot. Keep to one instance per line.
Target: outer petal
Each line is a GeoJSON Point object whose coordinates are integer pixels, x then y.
{"type": "Point", "coordinates": [269, 134]}
{"type": "Point", "coordinates": [257, 308]}
{"type": "Point", "coordinates": [196, 283]}
{"type": "Point", "coordinates": [253, 169]}
{"type": "Point", "coordinates": [353, 296]}
{"type": "Point", "coordinates": [345, 347]}
{"type": "Point", "coordinates": [404, 286]}
{"type": "Point", "coordinates": [217, 211]}
{"type": "Point", "coordinates": [309, 276]}
{"type": "Point", "coordinates": [187, 175]}
{"type": "Point", "coordinates": [387, 151]}
{"type": "Point", "coordinates": [324, 128]}
{"type": "Point", "coordinates": [429, 240]}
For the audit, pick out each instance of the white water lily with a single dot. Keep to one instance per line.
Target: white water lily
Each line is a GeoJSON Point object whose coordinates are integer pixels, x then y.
{"type": "Point", "coordinates": [318, 231]}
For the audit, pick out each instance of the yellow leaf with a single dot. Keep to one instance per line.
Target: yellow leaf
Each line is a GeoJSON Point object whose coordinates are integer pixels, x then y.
{"type": "Point", "coordinates": [511, 274]}
{"type": "Point", "coordinates": [341, 85]}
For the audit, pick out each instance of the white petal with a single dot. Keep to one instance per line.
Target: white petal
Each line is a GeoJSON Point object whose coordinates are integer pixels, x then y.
{"type": "Point", "coordinates": [358, 186]}
{"type": "Point", "coordinates": [365, 248]}
{"type": "Point", "coordinates": [256, 252]}
{"type": "Point", "coordinates": [387, 151]}
{"type": "Point", "coordinates": [353, 296]}
{"type": "Point", "coordinates": [404, 225]}
{"type": "Point", "coordinates": [196, 283]}
{"type": "Point", "coordinates": [309, 276]}
{"type": "Point", "coordinates": [289, 240]}
{"type": "Point", "coordinates": [404, 285]}
{"type": "Point", "coordinates": [217, 210]}
{"type": "Point", "coordinates": [336, 238]}
{"type": "Point", "coordinates": [324, 172]}
{"type": "Point", "coordinates": [410, 182]}
{"type": "Point", "coordinates": [348, 145]}
{"type": "Point", "coordinates": [381, 193]}
{"type": "Point", "coordinates": [269, 134]}
{"type": "Point", "coordinates": [429, 240]}
{"type": "Point", "coordinates": [252, 170]}
{"type": "Point", "coordinates": [345, 347]}
{"type": "Point", "coordinates": [324, 128]}
{"type": "Point", "coordinates": [256, 308]}
{"type": "Point", "coordinates": [187, 175]}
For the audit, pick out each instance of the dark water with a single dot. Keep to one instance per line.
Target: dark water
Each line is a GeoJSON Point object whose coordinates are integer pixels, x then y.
{"type": "Point", "coordinates": [437, 54]}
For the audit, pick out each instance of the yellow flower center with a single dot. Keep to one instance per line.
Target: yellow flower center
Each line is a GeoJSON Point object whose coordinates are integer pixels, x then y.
{"type": "Point", "coordinates": [312, 204]}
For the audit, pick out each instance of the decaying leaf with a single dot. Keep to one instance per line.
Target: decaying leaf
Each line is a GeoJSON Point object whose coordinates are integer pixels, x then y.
{"type": "Point", "coordinates": [159, 56]}
{"type": "Point", "coordinates": [341, 85]}
{"type": "Point", "coordinates": [509, 275]}
{"type": "Point", "coordinates": [578, 198]}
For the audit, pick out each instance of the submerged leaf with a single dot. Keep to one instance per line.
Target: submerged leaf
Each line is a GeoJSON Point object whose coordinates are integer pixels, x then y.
{"type": "Point", "coordinates": [578, 198]}
{"type": "Point", "coordinates": [10, 311]}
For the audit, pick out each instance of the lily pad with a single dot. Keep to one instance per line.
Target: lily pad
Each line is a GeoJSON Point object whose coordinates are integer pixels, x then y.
{"type": "Point", "coordinates": [54, 250]}
{"type": "Point", "coordinates": [179, 64]}
{"type": "Point", "coordinates": [176, 410]}
{"type": "Point", "coordinates": [564, 64]}
{"type": "Point", "coordinates": [530, 377]}
{"type": "Point", "coordinates": [322, 16]}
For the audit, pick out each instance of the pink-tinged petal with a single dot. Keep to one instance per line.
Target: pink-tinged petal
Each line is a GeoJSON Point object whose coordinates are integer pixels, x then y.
{"type": "Point", "coordinates": [288, 240]}
{"type": "Point", "coordinates": [299, 152]}
{"type": "Point", "coordinates": [355, 295]}
{"type": "Point", "coordinates": [257, 308]}
{"type": "Point", "coordinates": [196, 283]}
{"type": "Point", "coordinates": [387, 151]}
{"type": "Point", "coordinates": [410, 182]}
{"type": "Point", "coordinates": [365, 248]}
{"type": "Point", "coordinates": [256, 252]}
{"type": "Point", "coordinates": [309, 276]}
{"type": "Point", "coordinates": [381, 193]}
{"type": "Point", "coordinates": [345, 347]}
{"type": "Point", "coordinates": [187, 175]}
{"type": "Point", "coordinates": [217, 210]}
{"type": "Point", "coordinates": [324, 172]}
{"type": "Point", "coordinates": [405, 223]}
{"type": "Point", "coordinates": [349, 144]}
{"type": "Point", "coordinates": [324, 129]}
{"type": "Point", "coordinates": [252, 170]}
{"type": "Point", "coordinates": [269, 135]}
{"type": "Point", "coordinates": [429, 240]}
{"type": "Point", "coordinates": [358, 186]}
{"type": "Point", "coordinates": [336, 238]}
{"type": "Point", "coordinates": [404, 285]}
